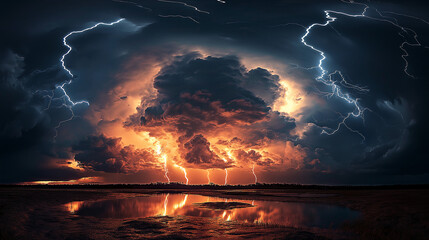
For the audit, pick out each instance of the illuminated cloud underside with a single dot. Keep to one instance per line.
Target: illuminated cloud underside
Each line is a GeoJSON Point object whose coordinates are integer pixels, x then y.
{"type": "Point", "coordinates": [200, 93]}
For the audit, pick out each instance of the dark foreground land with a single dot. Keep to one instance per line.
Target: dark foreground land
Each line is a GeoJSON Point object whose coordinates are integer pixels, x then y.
{"type": "Point", "coordinates": [386, 212]}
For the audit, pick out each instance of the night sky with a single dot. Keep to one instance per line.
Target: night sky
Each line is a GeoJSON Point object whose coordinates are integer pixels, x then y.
{"type": "Point", "coordinates": [234, 91]}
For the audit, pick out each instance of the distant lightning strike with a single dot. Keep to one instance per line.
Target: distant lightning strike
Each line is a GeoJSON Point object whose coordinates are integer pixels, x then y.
{"type": "Point", "coordinates": [253, 171]}
{"type": "Point", "coordinates": [226, 170]}
{"type": "Point", "coordinates": [394, 23]}
{"type": "Point", "coordinates": [186, 5]}
{"type": "Point", "coordinates": [158, 150]}
{"type": "Point", "coordinates": [133, 3]}
{"type": "Point", "coordinates": [179, 16]}
{"type": "Point", "coordinates": [335, 88]}
{"type": "Point", "coordinates": [186, 174]}
{"type": "Point", "coordinates": [169, 15]}
{"type": "Point", "coordinates": [166, 168]}
{"type": "Point", "coordinates": [208, 177]}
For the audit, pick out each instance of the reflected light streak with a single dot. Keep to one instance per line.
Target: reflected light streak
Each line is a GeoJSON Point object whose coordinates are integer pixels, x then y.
{"type": "Point", "coordinates": [181, 204]}
{"type": "Point", "coordinates": [74, 206]}
{"type": "Point", "coordinates": [165, 205]}
{"type": "Point", "coordinates": [284, 213]}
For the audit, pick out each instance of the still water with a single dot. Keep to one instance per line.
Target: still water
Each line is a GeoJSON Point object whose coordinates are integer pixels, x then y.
{"type": "Point", "coordinates": [282, 213]}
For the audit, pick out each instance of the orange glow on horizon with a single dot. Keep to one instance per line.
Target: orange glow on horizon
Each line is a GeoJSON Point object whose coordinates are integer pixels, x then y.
{"type": "Point", "coordinates": [74, 181]}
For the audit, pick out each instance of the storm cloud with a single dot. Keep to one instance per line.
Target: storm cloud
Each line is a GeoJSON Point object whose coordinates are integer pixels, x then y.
{"type": "Point", "coordinates": [199, 97]}
{"type": "Point", "coordinates": [100, 153]}
{"type": "Point", "coordinates": [230, 89]}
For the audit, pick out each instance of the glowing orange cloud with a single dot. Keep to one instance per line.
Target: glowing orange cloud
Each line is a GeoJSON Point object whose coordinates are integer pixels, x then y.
{"type": "Point", "coordinates": [230, 139]}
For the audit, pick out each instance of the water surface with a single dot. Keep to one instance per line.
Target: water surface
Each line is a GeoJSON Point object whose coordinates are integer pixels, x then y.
{"type": "Point", "coordinates": [282, 213]}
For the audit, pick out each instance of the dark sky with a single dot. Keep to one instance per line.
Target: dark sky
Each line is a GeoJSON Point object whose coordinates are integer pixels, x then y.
{"type": "Point", "coordinates": [321, 92]}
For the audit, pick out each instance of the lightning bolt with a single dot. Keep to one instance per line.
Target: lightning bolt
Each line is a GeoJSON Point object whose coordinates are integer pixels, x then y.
{"type": "Point", "coordinates": [67, 101]}
{"type": "Point", "coordinates": [327, 79]}
{"type": "Point", "coordinates": [158, 150]}
{"type": "Point", "coordinates": [253, 171]}
{"type": "Point", "coordinates": [166, 168]}
{"type": "Point", "coordinates": [208, 177]}
{"type": "Point", "coordinates": [179, 16]}
{"type": "Point", "coordinates": [185, 4]}
{"type": "Point", "coordinates": [133, 3]}
{"type": "Point", "coordinates": [335, 89]}
{"type": "Point", "coordinates": [186, 174]}
{"type": "Point", "coordinates": [77, 32]}
{"type": "Point", "coordinates": [226, 170]}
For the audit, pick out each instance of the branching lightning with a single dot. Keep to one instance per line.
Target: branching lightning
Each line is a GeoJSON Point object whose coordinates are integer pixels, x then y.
{"type": "Point", "coordinates": [327, 79]}
{"type": "Point", "coordinates": [77, 32]}
{"type": "Point", "coordinates": [335, 89]}
{"type": "Point", "coordinates": [67, 101]}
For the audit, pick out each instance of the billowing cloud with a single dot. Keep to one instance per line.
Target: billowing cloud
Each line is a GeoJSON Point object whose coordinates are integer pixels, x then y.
{"type": "Point", "coordinates": [203, 101]}
{"type": "Point", "coordinates": [232, 89]}
{"type": "Point", "coordinates": [100, 153]}
{"type": "Point", "coordinates": [197, 152]}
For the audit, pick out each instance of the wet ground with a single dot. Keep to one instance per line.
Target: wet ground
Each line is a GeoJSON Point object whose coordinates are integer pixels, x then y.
{"type": "Point", "coordinates": [27, 213]}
